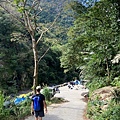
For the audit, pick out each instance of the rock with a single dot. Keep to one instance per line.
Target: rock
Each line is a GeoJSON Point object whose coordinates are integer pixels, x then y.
{"type": "Point", "coordinates": [105, 93]}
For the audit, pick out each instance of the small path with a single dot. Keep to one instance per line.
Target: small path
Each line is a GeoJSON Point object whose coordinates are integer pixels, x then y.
{"type": "Point", "coordinates": [71, 110]}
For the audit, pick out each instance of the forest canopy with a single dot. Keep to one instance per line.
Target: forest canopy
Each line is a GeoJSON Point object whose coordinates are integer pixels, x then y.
{"type": "Point", "coordinates": [83, 42]}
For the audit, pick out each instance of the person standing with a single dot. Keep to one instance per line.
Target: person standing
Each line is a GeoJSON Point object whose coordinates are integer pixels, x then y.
{"type": "Point", "coordinates": [38, 104]}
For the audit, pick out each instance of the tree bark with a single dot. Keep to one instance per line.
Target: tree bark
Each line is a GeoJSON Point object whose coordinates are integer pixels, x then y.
{"type": "Point", "coordinates": [35, 75]}
{"type": "Point", "coordinates": [108, 71]}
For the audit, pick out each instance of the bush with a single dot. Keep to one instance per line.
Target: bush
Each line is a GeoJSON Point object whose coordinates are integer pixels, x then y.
{"type": "Point", "coordinates": [112, 111]}
{"type": "Point", "coordinates": [14, 112]}
{"type": "Point", "coordinates": [1, 100]}
{"type": "Point", "coordinates": [96, 84]}
{"type": "Point", "coordinates": [46, 93]}
{"type": "Point", "coordinates": [4, 113]}
{"type": "Point", "coordinates": [57, 100]}
{"type": "Point", "coordinates": [116, 82]}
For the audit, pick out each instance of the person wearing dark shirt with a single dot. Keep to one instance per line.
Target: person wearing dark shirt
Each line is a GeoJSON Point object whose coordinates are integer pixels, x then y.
{"type": "Point", "coordinates": [39, 114]}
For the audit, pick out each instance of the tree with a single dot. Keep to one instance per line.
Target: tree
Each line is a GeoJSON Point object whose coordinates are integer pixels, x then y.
{"type": "Point", "coordinates": [12, 59]}
{"type": "Point", "coordinates": [29, 16]}
{"type": "Point", "coordinates": [93, 41]}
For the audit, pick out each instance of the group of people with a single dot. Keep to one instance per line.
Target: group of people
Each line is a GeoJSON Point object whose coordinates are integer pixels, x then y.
{"type": "Point", "coordinates": [72, 84]}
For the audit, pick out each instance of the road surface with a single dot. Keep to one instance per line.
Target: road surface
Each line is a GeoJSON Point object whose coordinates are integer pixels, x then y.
{"type": "Point", "coordinates": [71, 110]}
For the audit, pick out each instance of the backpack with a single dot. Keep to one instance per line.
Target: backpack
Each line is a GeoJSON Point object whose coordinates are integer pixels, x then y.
{"type": "Point", "coordinates": [36, 103]}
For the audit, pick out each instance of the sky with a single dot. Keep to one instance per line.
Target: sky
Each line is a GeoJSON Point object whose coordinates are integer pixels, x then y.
{"type": "Point", "coordinates": [88, 3]}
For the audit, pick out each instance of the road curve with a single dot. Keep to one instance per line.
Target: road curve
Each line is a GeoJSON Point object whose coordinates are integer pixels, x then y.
{"type": "Point", "coordinates": [71, 110]}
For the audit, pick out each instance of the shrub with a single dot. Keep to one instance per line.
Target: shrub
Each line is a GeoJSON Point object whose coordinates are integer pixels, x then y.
{"type": "Point", "coordinates": [116, 82]}
{"type": "Point", "coordinates": [46, 92]}
{"type": "Point", "coordinates": [94, 111]}
{"type": "Point", "coordinates": [4, 113]}
{"type": "Point", "coordinates": [112, 113]}
{"type": "Point", "coordinates": [14, 112]}
{"type": "Point", "coordinates": [96, 83]}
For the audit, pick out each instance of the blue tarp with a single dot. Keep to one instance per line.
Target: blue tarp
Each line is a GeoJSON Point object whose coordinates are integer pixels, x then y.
{"type": "Point", "coordinates": [19, 100]}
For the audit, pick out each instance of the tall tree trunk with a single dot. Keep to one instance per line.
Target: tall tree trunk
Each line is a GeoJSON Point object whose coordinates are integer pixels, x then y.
{"type": "Point", "coordinates": [35, 75]}
{"type": "Point", "coordinates": [108, 71]}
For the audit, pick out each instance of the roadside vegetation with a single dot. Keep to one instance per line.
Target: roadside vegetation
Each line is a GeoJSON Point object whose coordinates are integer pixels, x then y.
{"type": "Point", "coordinates": [13, 112]}
{"type": "Point", "coordinates": [21, 110]}
{"type": "Point", "coordinates": [93, 47]}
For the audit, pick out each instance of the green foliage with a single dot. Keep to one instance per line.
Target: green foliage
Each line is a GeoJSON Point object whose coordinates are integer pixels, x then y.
{"type": "Point", "coordinates": [14, 112]}
{"type": "Point", "coordinates": [23, 109]}
{"type": "Point", "coordinates": [104, 109]}
{"type": "Point", "coordinates": [4, 113]}
{"type": "Point", "coordinates": [1, 101]}
{"type": "Point", "coordinates": [117, 95]}
{"type": "Point", "coordinates": [96, 83]}
{"type": "Point", "coordinates": [57, 100]}
{"type": "Point", "coordinates": [16, 64]}
{"type": "Point", "coordinates": [111, 113]}
{"type": "Point", "coordinates": [93, 42]}
{"type": "Point", "coordinates": [116, 82]}
{"type": "Point", "coordinates": [47, 93]}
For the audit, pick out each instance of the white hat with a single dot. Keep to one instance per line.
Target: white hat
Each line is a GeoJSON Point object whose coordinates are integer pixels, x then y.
{"type": "Point", "coordinates": [38, 87]}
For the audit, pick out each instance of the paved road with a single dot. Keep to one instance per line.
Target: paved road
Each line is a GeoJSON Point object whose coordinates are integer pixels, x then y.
{"type": "Point", "coordinates": [71, 110]}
